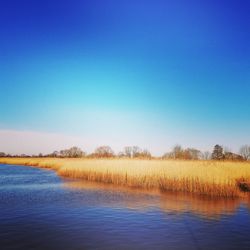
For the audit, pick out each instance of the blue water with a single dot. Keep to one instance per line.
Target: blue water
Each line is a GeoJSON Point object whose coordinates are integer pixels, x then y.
{"type": "Point", "coordinates": [39, 210]}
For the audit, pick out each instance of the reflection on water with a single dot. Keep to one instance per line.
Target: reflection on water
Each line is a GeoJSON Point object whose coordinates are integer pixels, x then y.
{"type": "Point", "coordinates": [205, 207]}
{"type": "Point", "coordinates": [39, 210]}
{"type": "Point", "coordinates": [139, 199]}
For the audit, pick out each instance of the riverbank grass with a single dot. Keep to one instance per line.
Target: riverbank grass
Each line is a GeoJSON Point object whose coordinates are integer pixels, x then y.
{"type": "Point", "coordinates": [212, 178]}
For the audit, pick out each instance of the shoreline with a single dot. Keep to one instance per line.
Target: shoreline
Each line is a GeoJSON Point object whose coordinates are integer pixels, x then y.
{"type": "Point", "coordinates": [207, 178]}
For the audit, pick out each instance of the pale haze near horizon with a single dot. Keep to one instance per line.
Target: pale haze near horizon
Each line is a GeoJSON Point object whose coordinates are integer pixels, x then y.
{"type": "Point", "coordinates": [31, 142]}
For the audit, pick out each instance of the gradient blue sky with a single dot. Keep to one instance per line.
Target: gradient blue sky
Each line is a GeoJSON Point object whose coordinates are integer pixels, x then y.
{"type": "Point", "coordinates": [152, 73]}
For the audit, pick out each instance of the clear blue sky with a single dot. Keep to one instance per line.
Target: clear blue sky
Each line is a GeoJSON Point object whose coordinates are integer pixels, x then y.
{"type": "Point", "coordinates": [124, 72]}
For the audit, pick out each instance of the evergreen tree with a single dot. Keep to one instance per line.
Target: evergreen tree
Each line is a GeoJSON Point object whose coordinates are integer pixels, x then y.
{"type": "Point", "coordinates": [218, 153]}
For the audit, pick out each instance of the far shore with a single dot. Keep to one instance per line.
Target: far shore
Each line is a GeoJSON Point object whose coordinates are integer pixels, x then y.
{"type": "Point", "coordinates": [210, 178]}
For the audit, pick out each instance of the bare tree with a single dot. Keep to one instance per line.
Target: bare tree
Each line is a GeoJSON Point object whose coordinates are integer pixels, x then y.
{"type": "Point", "coordinates": [73, 152]}
{"type": "Point", "coordinates": [146, 154]}
{"type": "Point", "coordinates": [128, 151]}
{"type": "Point", "coordinates": [186, 154]}
{"type": "Point", "coordinates": [177, 152]}
{"type": "Point", "coordinates": [192, 154]}
{"type": "Point", "coordinates": [206, 155]}
{"type": "Point", "coordinates": [104, 151]}
{"type": "Point", "coordinates": [168, 155]}
{"type": "Point", "coordinates": [57, 154]}
{"type": "Point", "coordinates": [121, 154]}
{"type": "Point", "coordinates": [232, 156]}
{"type": "Point", "coordinates": [245, 152]}
{"type": "Point", "coordinates": [136, 151]}
{"type": "Point", "coordinates": [2, 154]}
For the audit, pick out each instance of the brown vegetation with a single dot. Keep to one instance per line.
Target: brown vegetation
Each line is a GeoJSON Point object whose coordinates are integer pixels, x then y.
{"type": "Point", "coordinates": [212, 178]}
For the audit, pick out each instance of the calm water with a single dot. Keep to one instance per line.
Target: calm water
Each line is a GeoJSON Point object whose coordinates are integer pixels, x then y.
{"type": "Point", "coordinates": [39, 210]}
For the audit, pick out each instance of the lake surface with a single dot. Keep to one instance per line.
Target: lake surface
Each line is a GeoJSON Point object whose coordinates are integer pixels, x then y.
{"type": "Point", "coordinates": [39, 210]}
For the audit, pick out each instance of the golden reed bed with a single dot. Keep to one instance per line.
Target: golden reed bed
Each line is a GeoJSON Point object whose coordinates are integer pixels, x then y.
{"type": "Point", "coordinates": [211, 178]}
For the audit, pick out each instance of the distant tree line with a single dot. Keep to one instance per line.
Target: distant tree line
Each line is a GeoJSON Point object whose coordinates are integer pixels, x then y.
{"type": "Point", "coordinates": [100, 152]}
{"type": "Point", "coordinates": [135, 152]}
{"type": "Point", "coordinates": [185, 154]}
{"type": "Point", "coordinates": [218, 153]}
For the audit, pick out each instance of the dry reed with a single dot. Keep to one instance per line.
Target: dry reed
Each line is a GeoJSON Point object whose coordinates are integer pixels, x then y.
{"type": "Point", "coordinates": [212, 178]}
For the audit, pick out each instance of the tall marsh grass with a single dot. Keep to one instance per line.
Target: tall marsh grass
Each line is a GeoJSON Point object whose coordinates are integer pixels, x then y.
{"type": "Point", "coordinates": [212, 178]}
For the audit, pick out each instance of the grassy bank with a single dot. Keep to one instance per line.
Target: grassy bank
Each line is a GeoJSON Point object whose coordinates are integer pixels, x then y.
{"type": "Point", "coordinates": [224, 179]}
